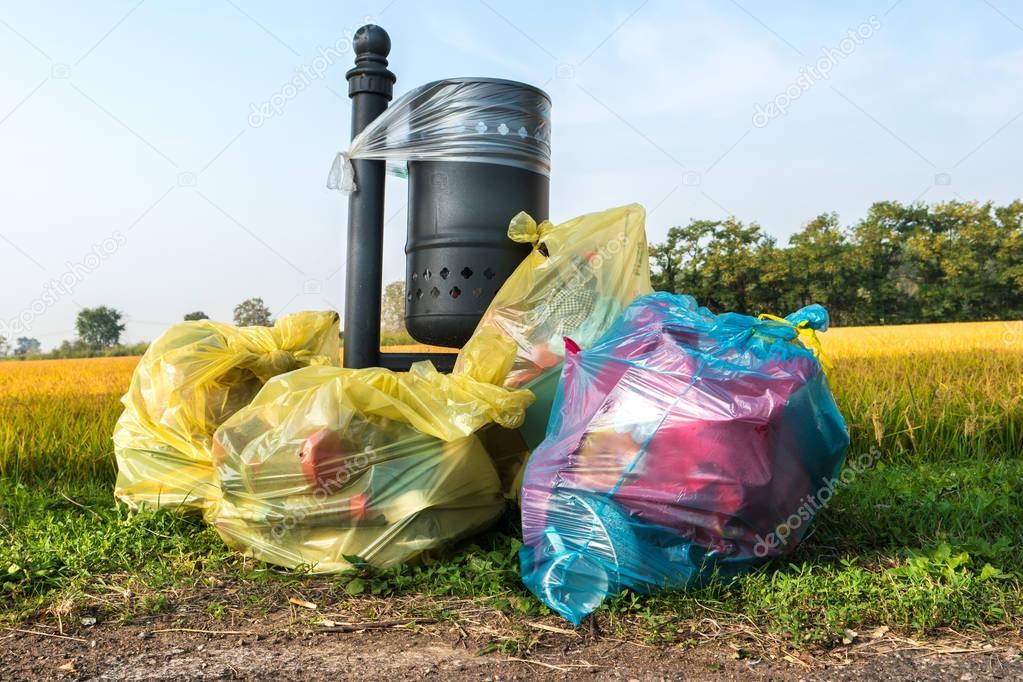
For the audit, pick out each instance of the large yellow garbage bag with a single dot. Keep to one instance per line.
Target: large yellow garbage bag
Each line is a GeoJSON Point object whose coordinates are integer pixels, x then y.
{"type": "Point", "coordinates": [580, 275]}
{"type": "Point", "coordinates": [190, 380]}
{"type": "Point", "coordinates": [329, 464]}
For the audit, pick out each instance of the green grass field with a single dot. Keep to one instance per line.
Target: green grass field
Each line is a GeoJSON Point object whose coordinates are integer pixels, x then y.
{"type": "Point", "coordinates": [926, 535]}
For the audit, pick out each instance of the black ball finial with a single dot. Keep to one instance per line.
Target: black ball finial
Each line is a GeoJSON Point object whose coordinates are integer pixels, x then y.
{"type": "Point", "coordinates": [370, 75]}
{"type": "Point", "coordinates": [371, 39]}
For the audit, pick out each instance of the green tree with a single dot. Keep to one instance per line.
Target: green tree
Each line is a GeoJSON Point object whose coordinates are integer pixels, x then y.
{"type": "Point", "coordinates": [1008, 265]}
{"type": "Point", "coordinates": [197, 315]}
{"type": "Point", "coordinates": [664, 263]}
{"type": "Point", "coordinates": [736, 257]}
{"type": "Point", "coordinates": [27, 346]}
{"type": "Point", "coordinates": [886, 283]}
{"type": "Point", "coordinates": [724, 264]}
{"type": "Point", "coordinates": [975, 263]}
{"type": "Point", "coordinates": [99, 327]}
{"type": "Point", "coordinates": [392, 308]}
{"type": "Point", "coordinates": [816, 268]}
{"type": "Point", "coordinates": [678, 262]}
{"type": "Point", "coordinates": [901, 263]}
{"type": "Point", "coordinates": [252, 312]}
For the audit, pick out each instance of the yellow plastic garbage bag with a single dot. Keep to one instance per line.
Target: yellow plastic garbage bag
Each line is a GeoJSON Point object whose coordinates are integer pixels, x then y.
{"type": "Point", "coordinates": [580, 275]}
{"type": "Point", "coordinates": [329, 464]}
{"type": "Point", "coordinates": [190, 380]}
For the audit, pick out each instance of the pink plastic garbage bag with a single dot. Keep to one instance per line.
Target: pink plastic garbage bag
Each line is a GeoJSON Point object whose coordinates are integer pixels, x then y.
{"type": "Point", "coordinates": [681, 444]}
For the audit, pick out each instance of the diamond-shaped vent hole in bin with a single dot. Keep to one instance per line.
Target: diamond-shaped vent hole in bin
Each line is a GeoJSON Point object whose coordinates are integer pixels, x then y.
{"type": "Point", "coordinates": [419, 294]}
{"type": "Point", "coordinates": [444, 273]}
{"type": "Point", "coordinates": [489, 273]}
{"type": "Point", "coordinates": [467, 272]}
{"type": "Point", "coordinates": [427, 274]}
{"type": "Point", "coordinates": [477, 292]}
{"type": "Point", "coordinates": [435, 292]}
{"type": "Point", "coordinates": [455, 292]}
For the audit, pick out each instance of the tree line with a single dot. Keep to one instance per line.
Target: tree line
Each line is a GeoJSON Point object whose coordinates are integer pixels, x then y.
{"type": "Point", "coordinates": [99, 332]}
{"type": "Point", "coordinates": [902, 263]}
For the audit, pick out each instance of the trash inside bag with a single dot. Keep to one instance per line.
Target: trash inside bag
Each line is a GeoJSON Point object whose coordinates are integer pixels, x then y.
{"type": "Point", "coordinates": [329, 464]}
{"type": "Point", "coordinates": [681, 444]}
{"type": "Point", "coordinates": [190, 380]}
{"type": "Point", "coordinates": [579, 277]}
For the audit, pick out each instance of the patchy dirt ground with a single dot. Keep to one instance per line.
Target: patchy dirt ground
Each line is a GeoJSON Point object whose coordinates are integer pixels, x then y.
{"type": "Point", "coordinates": [459, 642]}
{"type": "Point", "coordinates": [134, 653]}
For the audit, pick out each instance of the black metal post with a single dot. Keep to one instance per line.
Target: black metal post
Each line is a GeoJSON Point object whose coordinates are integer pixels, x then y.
{"type": "Point", "coordinates": [370, 87]}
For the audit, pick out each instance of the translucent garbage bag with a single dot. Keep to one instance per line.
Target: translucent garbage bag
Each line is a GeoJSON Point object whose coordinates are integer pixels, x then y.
{"type": "Point", "coordinates": [190, 380]}
{"type": "Point", "coordinates": [681, 444]}
{"type": "Point", "coordinates": [328, 464]}
{"type": "Point", "coordinates": [579, 277]}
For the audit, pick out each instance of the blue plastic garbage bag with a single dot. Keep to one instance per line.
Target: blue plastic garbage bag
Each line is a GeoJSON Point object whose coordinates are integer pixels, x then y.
{"type": "Point", "coordinates": [682, 444]}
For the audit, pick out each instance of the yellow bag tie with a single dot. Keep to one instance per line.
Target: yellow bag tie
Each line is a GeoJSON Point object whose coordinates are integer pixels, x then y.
{"type": "Point", "coordinates": [807, 336]}
{"type": "Point", "coordinates": [523, 229]}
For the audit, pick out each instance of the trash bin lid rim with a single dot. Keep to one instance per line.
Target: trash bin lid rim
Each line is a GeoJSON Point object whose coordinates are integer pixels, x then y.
{"type": "Point", "coordinates": [496, 81]}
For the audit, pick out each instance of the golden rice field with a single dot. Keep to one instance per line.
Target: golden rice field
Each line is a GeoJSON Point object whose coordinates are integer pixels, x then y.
{"type": "Point", "coordinates": [57, 416]}
{"type": "Point", "coordinates": [935, 390]}
{"type": "Point", "coordinates": [930, 391]}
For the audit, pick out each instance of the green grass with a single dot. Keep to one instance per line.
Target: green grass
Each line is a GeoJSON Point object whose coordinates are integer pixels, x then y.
{"type": "Point", "coordinates": [914, 547]}
{"type": "Point", "coordinates": [401, 338]}
{"type": "Point", "coordinates": [929, 536]}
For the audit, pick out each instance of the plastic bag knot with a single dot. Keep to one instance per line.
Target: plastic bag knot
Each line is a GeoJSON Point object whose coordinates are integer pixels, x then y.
{"type": "Point", "coordinates": [342, 173]}
{"type": "Point", "coordinates": [806, 332]}
{"type": "Point", "coordinates": [523, 229]}
{"type": "Point", "coordinates": [271, 363]}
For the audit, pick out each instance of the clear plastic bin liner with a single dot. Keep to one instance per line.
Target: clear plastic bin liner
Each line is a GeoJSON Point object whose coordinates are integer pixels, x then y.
{"type": "Point", "coordinates": [457, 119]}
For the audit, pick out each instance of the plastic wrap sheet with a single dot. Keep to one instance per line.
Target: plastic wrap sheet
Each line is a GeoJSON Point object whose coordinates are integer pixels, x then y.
{"type": "Point", "coordinates": [458, 119]}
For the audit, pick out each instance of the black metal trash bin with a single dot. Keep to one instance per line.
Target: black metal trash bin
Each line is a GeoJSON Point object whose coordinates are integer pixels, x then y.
{"type": "Point", "coordinates": [457, 252]}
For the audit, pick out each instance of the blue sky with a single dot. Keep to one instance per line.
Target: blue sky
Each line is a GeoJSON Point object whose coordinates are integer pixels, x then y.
{"type": "Point", "coordinates": [133, 174]}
